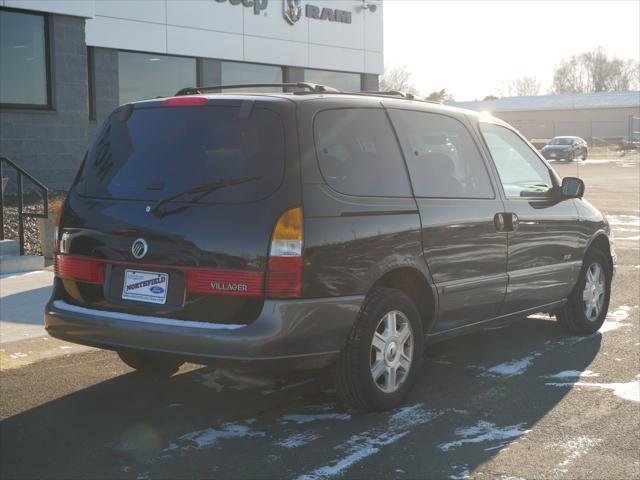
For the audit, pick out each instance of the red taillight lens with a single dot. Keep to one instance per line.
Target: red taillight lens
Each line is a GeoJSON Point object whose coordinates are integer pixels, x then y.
{"type": "Point", "coordinates": [80, 269]}
{"type": "Point", "coordinates": [284, 276]}
{"type": "Point", "coordinates": [185, 102]}
{"type": "Point", "coordinates": [226, 282]}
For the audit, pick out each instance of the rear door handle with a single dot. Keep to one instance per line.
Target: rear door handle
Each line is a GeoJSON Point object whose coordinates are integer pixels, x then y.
{"type": "Point", "coordinates": [506, 221]}
{"type": "Point", "coordinates": [498, 221]}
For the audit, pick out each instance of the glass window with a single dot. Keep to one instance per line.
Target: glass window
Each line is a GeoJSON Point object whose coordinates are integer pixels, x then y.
{"type": "Point", "coordinates": [146, 75]}
{"type": "Point", "coordinates": [521, 171]}
{"type": "Point", "coordinates": [444, 161]}
{"type": "Point", "coordinates": [358, 153]}
{"type": "Point", "coordinates": [234, 73]}
{"type": "Point", "coordinates": [155, 152]}
{"type": "Point", "coordinates": [346, 82]}
{"type": "Point", "coordinates": [23, 59]}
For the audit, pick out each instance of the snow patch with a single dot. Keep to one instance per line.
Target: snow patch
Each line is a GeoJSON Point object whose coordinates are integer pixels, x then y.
{"type": "Point", "coordinates": [627, 391]}
{"type": "Point", "coordinates": [298, 440]}
{"type": "Point", "coordinates": [573, 374]}
{"type": "Point", "coordinates": [614, 319]}
{"type": "Point", "coordinates": [624, 220]}
{"type": "Point", "coordinates": [361, 446]}
{"type": "Point", "coordinates": [210, 436]}
{"type": "Point", "coordinates": [573, 449]}
{"type": "Point", "coordinates": [510, 369]}
{"type": "Point", "coordinates": [210, 380]}
{"type": "Point", "coordinates": [461, 472]}
{"type": "Point", "coordinates": [484, 432]}
{"type": "Point", "coordinates": [318, 417]}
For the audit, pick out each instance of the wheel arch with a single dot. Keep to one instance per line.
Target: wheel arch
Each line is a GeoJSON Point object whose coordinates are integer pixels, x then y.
{"type": "Point", "coordinates": [416, 286]}
{"type": "Point", "coordinates": [601, 241]}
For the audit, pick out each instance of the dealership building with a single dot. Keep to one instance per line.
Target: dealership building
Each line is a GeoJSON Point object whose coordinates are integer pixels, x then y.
{"type": "Point", "coordinates": [65, 64]}
{"type": "Point", "coordinates": [597, 117]}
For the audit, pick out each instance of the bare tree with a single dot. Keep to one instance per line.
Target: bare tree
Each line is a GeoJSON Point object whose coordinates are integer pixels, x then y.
{"type": "Point", "coordinates": [398, 78]}
{"type": "Point", "coordinates": [525, 86]}
{"type": "Point", "coordinates": [440, 96]}
{"type": "Point", "coordinates": [595, 71]}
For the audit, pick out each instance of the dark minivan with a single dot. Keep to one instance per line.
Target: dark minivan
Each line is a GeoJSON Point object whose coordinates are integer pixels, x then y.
{"type": "Point", "coordinates": [314, 229]}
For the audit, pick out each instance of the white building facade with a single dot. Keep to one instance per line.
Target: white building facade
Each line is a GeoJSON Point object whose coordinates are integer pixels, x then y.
{"type": "Point", "coordinates": [65, 64]}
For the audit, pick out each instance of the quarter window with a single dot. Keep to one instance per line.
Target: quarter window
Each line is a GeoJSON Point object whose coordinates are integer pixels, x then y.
{"type": "Point", "coordinates": [23, 60]}
{"type": "Point", "coordinates": [521, 171]}
{"type": "Point", "coordinates": [358, 153]}
{"type": "Point", "coordinates": [146, 75]}
{"type": "Point", "coordinates": [443, 159]}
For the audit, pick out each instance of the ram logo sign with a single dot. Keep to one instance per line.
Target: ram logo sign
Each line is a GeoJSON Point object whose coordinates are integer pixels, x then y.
{"type": "Point", "coordinates": [292, 10]}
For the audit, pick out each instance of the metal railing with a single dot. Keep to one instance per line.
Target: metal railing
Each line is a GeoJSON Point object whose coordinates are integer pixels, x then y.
{"type": "Point", "coordinates": [20, 174]}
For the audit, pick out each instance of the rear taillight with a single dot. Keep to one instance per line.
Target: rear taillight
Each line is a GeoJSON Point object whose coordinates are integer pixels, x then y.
{"type": "Point", "coordinates": [284, 275]}
{"type": "Point", "coordinates": [185, 102]}
{"type": "Point", "coordinates": [80, 269]}
{"type": "Point", "coordinates": [56, 232]}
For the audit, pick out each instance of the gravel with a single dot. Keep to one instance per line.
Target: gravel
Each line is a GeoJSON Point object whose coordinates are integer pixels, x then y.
{"type": "Point", "coordinates": [31, 231]}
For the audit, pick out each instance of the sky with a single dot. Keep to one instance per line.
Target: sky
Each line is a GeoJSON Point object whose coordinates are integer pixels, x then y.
{"type": "Point", "coordinates": [472, 47]}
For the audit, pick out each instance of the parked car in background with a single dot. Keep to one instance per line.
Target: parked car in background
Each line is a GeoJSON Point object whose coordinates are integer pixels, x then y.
{"type": "Point", "coordinates": [317, 229]}
{"type": "Point", "coordinates": [565, 148]}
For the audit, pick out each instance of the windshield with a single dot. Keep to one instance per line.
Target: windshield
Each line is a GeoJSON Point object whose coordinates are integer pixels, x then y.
{"type": "Point", "coordinates": [157, 152]}
{"type": "Point", "coordinates": [561, 141]}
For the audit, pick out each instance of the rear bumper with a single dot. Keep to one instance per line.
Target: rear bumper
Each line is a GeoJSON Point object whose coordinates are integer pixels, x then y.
{"type": "Point", "coordinates": [288, 335]}
{"type": "Point", "coordinates": [558, 155]}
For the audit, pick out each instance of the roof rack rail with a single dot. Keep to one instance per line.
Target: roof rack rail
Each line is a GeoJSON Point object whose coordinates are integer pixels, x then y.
{"type": "Point", "coordinates": [312, 87]}
{"type": "Point", "coordinates": [398, 93]}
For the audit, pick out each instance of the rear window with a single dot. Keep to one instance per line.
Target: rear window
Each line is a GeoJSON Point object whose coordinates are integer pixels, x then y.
{"type": "Point", "coordinates": [156, 152]}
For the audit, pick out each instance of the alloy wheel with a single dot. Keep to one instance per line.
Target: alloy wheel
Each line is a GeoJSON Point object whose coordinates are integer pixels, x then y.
{"type": "Point", "coordinates": [391, 353]}
{"type": "Point", "coordinates": [594, 292]}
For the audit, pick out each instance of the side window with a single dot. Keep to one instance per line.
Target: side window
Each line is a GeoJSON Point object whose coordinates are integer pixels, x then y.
{"type": "Point", "coordinates": [358, 153]}
{"type": "Point", "coordinates": [521, 171]}
{"type": "Point", "coordinates": [444, 161]}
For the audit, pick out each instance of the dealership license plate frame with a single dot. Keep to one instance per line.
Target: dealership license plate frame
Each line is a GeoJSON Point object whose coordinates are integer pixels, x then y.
{"type": "Point", "coordinates": [145, 295]}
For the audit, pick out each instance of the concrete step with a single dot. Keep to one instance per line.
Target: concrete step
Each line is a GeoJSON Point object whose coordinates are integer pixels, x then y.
{"type": "Point", "coordinates": [9, 247]}
{"type": "Point", "coordinates": [20, 263]}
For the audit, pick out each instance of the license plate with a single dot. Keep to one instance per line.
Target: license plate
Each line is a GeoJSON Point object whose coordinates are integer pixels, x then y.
{"type": "Point", "coordinates": [553, 155]}
{"type": "Point", "coordinates": [141, 286]}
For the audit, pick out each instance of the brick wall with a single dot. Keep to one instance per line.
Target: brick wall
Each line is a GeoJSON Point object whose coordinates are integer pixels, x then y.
{"type": "Point", "coordinates": [50, 144]}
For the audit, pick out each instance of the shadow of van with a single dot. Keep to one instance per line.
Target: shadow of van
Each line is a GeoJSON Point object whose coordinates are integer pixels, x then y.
{"type": "Point", "coordinates": [474, 396]}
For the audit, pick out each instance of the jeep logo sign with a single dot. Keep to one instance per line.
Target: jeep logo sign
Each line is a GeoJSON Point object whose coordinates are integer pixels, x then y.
{"type": "Point", "coordinates": [257, 5]}
{"type": "Point", "coordinates": [292, 10]}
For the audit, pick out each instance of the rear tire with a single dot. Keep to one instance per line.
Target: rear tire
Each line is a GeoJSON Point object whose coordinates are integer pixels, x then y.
{"type": "Point", "coordinates": [150, 364]}
{"type": "Point", "coordinates": [587, 306]}
{"type": "Point", "coordinates": [379, 363]}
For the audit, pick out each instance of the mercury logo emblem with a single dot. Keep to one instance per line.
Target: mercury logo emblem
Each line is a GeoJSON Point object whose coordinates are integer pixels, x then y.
{"type": "Point", "coordinates": [139, 248]}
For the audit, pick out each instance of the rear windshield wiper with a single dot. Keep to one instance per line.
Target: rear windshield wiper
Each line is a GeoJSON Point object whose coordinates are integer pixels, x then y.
{"type": "Point", "coordinates": [198, 192]}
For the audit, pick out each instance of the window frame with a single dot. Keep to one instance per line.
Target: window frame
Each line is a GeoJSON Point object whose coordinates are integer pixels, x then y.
{"type": "Point", "coordinates": [555, 184]}
{"type": "Point", "coordinates": [392, 129]}
{"type": "Point", "coordinates": [406, 151]}
{"type": "Point", "coordinates": [47, 65]}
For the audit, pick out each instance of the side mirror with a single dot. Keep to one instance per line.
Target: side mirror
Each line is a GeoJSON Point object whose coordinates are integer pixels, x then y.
{"type": "Point", "coordinates": [572, 187]}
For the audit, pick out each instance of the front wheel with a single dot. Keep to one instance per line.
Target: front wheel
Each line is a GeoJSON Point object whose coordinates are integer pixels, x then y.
{"type": "Point", "coordinates": [378, 365]}
{"type": "Point", "coordinates": [150, 364]}
{"type": "Point", "coordinates": [587, 306]}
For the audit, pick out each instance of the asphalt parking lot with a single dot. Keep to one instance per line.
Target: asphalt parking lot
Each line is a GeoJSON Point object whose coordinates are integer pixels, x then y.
{"type": "Point", "coordinates": [520, 401]}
